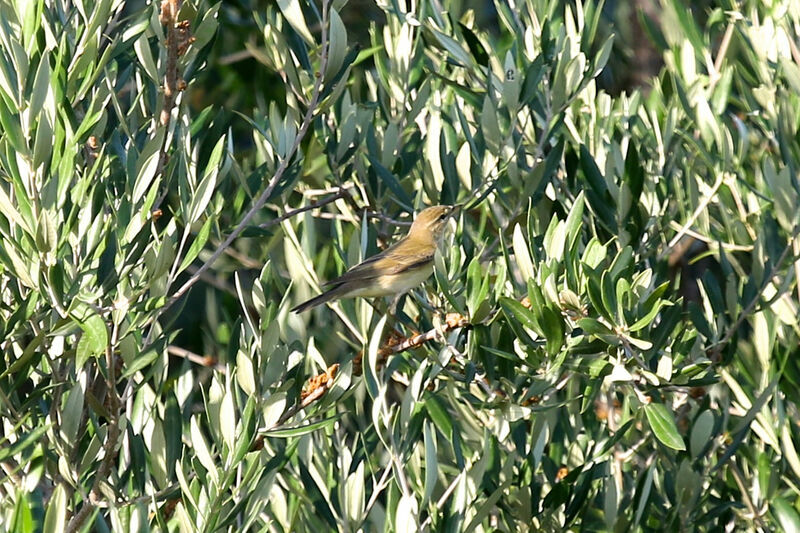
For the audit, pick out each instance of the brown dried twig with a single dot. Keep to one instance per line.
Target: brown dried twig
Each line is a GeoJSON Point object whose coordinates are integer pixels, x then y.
{"type": "Point", "coordinates": [395, 343]}
{"type": "Point", "coordinates": [168, 19]}
{"type": "Point", "coordinates": [178, 40]}
{"type": "Point", "coordinates": [318, 385]}
{"type": "Point", "coordinates": [315, 388]}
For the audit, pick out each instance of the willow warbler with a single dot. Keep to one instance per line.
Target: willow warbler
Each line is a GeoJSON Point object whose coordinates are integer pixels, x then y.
{"type": "Point", "coordinates": [399, 268]}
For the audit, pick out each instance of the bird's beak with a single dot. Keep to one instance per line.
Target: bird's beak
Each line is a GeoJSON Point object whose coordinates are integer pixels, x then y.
{"type": "Point", "coordinates": [455, 209]}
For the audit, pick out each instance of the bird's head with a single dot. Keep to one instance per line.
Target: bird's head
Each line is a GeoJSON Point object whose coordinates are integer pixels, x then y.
{"type": "Point", "coordinates": [432, 221]}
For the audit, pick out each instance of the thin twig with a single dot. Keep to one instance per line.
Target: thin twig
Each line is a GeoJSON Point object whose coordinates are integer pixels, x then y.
{"type": "Point", "coordinates": [305, 402]}
{"type": "Point", "coordinates": [202, 360]}
{"type": "Point", "coordinates": [443, 498]}
{"type": "Point", "coordinates": [385, 218]}
{"type": "Point", "coordinates": [235, 57]}
{"type": "Point", "coordinates": [215, 282]}
{"type": "Point", "coordinates": [316, 389]}
{"type": "Point", "coordinates": [245, 260]}
{"type": "Point", "coordinates": [294, 212]}
{"type": "Point", "coordinates": [700, 208]}
{"type": "Point", "coordinates": [259, 203]}
{"type": "Point", "coordinates": [755, 515]}
{"type": "Point", "coordinates": [156, 496]}
{"type": "Point", "coordinates": [717, 348]}
{"type": "Point", "coordinates": [723, 49]}
{"type": "Point", "coordinates": [109, 448]}
{"type": "Point", "coordinates": [169, 16]}
{"type": "Point", "coordinates": [376, 491]}
{"type": "Point", "coordinates": [711, 242]}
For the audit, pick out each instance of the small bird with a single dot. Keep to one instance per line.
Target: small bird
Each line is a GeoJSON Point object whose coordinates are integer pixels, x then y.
{"type": "Point", "coordinates": [398, 269]}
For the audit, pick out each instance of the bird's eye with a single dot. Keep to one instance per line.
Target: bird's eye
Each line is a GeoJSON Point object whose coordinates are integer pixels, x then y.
{"type": "Point", "coordinates": [443, 216]}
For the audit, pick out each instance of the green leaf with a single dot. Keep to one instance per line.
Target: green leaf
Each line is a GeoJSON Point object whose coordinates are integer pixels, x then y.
{"type": "Point", "coordinates": [12, 130]}
{"type": "Point", "coordinates": [594, 327]}
{"type": "Point", "coordinates": [46, 235]}
{"type": "Point", "coordinates": [55, 518]}
{"type": "Point", "coordinates": [354, 493]}
{"type": "Point", "coordinates": [142, 360]}
{"type": "Point", "coordinates": [574, 222]}
{"type": "Point", "coordinates": [41, 85]}
{"type": "Point", "coordinates": [273, 408]}
{"type": "Point", "coordinates": [294, 15]}
{"type": "Point", "coordinates": [201, 450]}
{"type": "Point", "coordinates": [337, 47]}
{"type": "Point", "coordinates": [599, 198]}
{"type": "Point", "coordinates": [701, 432]}
{"type": "Point", "coordinates": [647, 319]}
{"type": "Point", "coordinates": [522, 255]}
{"type": "Point", "coordinates": [94, 340]}
{"type": "Point", "coordinates": [9, 211]}
{"type": "Point", "coordinates": [145, 55]}
{"type": "Point", "coordinates": [663, 425]}
{"type": "Point", "coordinates": [205, 189]}
{"type": "Point", "coordinates": [786, 514]}
{"type": "Point", "coordinates": [244, 373]}
{"type": "Point", "coordinates": [601, 57]}
{"type": "Point", "coordinates": [609, 297]}
{"type": "Point", "coordinates": [454, 47]}
{"type": "Point", "coordinates": [302, 430]}
{"type": "Point", "coordinates": [553, 329]}
{"type": "Point", "coordinates": [197, 245]}
{"type": "Point", "coordinates": [227, 418]}
{"type": "Point", "coordinates": [22, 520]}
{"type": "Point", "coordinates": [72, 414]}
{"type": "Point", "coordinates": [27, 441]}
{"type": "Point", "coordinates": [390, 181]}
{"type": "Point", "coordinates": [407, 514]}
{"type": "Point", "coordinates": [147, 164]}
{"type": "Point", "coordinates": [634, 173]}
{"type": "Point", "coordinates": [431, 462]}
{"type": "Point", "coordinates": [519, 313]}
{"type": "Point", "coordinates": [475, 46]}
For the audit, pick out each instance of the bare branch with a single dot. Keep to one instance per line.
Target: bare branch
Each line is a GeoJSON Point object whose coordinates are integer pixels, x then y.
{"type": "Point", "coordinates": [294, 212]}
{"type": "Point", "coordinates": [173, 84]}
{"type": "Point", "coordinates": [202, 360]}
{"type": "Point", "coordinates": [262, 199]}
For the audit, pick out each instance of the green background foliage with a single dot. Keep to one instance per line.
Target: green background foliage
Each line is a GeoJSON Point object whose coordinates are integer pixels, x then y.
{"type": "Point", "coordinates": [627, 261]}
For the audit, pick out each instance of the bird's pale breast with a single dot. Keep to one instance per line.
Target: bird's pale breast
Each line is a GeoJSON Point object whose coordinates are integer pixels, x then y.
{"type": "Point", "coordinates": [392, 284]}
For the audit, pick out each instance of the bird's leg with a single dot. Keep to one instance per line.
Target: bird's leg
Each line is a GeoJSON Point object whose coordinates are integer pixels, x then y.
{"type": "Point", "coordinates": [440, 325]}
{"type": "Point", "coordinates": [392, 311]}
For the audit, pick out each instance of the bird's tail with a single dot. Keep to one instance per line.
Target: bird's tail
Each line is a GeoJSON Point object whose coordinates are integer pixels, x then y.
{"type": "Point", "coordinates": [326, 296]}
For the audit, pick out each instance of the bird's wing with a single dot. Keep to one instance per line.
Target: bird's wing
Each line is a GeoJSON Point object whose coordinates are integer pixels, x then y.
{"type": "Point", "coordinates": [393, 260]}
